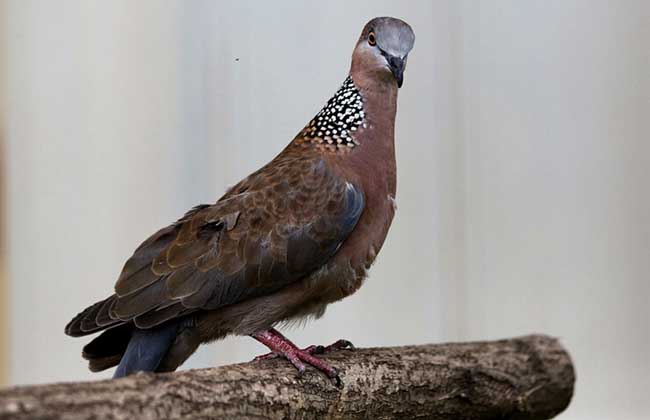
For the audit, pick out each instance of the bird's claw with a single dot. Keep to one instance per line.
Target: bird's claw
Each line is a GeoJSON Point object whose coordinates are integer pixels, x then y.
{"type": "Point", "coordinates": [313, 349]}
{"type": "Point", "coordinates": [341, 344]}
{"type": "Point", "coordinates": [335, 378]}
{"type": "Point", "coordinates": [298, 356]}
{"type": "Point", "coordinates": [337, 382]}
{"type": "Point", "coordinates": [281, 347]}
{"type": "Point", "coordinates": [301, 371]}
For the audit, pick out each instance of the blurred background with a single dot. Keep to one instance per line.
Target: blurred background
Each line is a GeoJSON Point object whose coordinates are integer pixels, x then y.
{"type": "Point", "coordinates": [523, 160]}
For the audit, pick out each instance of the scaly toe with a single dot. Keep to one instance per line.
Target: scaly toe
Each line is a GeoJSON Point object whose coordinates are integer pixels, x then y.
{"type": "Point", "coordinates": [339, 345]}
{"type": "Point", "coordinates": [315, 349]}
{"type": "Point", "coordinates": [267, 356]}
{"type": "Point", "coordinates": [301, 371]}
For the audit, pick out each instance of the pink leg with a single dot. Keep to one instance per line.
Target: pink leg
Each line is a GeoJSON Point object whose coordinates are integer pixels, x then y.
{"type": "Point", "coordinates": [282, 346]}
{"type": "Point", "coordinates": [313, 349]}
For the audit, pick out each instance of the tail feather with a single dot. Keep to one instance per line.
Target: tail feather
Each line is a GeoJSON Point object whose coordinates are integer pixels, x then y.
{"type": "Point", "coordinates": [122, 343]}
{"type": "Point", "coordinates": [103, 317]}
{"type": "Point", "coordinates": [92, 319]}
{"type": "Point", "coordinates": [146, 349]}
{"type": "Point", "coordinates": [106, 350]}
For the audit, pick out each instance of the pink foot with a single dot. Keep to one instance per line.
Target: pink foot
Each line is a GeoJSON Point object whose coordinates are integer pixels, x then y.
{"type": "Point", "coordinates": [281, 346]}
{"type": "Point", "coordinates": [313, 349]}
{"type": "Point", "coordinates": [274, 355]}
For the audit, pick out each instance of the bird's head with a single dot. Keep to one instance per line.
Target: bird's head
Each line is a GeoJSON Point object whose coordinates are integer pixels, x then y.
{"type": "Point", "coordinates": [382, 49]}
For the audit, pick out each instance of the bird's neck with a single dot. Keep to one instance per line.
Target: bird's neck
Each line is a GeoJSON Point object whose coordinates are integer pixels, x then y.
{"type": "Point", "coordinates": [380, 107]}
{"type": "Point", "coordinates": [374, 158]}
{"type": "Point", "coordinates": [361, 111]}
{"type": "Point", "coordinates": [355, 132]}
{"type": "Point", "coordinates": [334, 125]}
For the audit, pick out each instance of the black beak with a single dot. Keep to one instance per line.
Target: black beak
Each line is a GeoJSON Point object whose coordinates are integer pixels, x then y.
{"type": "Point", "coordinates": [397, 65]}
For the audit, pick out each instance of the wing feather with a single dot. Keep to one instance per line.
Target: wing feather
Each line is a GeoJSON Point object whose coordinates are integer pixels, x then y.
{"type": "Point", "coordinates": [271, 230]}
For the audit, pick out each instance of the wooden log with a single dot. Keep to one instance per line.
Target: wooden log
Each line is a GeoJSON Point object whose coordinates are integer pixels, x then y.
{"type": "Point", "coordinates": [530, 377]}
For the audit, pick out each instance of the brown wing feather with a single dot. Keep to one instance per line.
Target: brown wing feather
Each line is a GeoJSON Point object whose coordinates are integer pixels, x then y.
{"type": "Point", "coordinates": [273, 228]}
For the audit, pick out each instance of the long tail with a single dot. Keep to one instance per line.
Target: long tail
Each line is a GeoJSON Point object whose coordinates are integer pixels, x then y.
{"type": "Point", "coordinates": [146, 349]}
{"type": "Point", "coordinates": [123, 343]}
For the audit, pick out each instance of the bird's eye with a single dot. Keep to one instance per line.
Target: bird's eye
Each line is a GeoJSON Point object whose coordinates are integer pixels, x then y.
{"type": "Point", "coordinates": [372, 40]}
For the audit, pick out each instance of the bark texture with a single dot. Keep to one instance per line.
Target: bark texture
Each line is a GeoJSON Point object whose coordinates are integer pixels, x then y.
{"type": "Point", "coordinates": [530, 377]}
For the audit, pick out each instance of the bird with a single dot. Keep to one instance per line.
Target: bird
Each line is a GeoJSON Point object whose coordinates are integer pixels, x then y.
{"type": "Point", "coordinates": [279, 246]}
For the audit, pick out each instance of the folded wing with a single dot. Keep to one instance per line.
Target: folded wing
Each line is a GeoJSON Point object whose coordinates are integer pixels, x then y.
{"type": "Point", "coordinates": [274, 228]}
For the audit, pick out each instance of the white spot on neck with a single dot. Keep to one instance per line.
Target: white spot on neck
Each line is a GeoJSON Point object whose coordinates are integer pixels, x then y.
{"type": "Point", "coordinates": [341, 116]}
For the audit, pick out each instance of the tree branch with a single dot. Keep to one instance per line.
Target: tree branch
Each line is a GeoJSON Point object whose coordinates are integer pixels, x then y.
{"type": "Point", "coordinates": [522, 378]}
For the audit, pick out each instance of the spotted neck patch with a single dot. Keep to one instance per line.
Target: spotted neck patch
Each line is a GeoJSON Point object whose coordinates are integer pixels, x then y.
{"type": "Point", "coordinates": [340, 117]}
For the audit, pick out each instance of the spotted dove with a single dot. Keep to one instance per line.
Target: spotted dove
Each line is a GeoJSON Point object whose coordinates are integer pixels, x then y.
{"type": "Point", "coordinates": [282, 244]}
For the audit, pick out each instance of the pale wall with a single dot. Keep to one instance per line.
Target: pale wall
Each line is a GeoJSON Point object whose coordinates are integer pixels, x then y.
{"type": "Point", "coordinates": [522, 154]}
